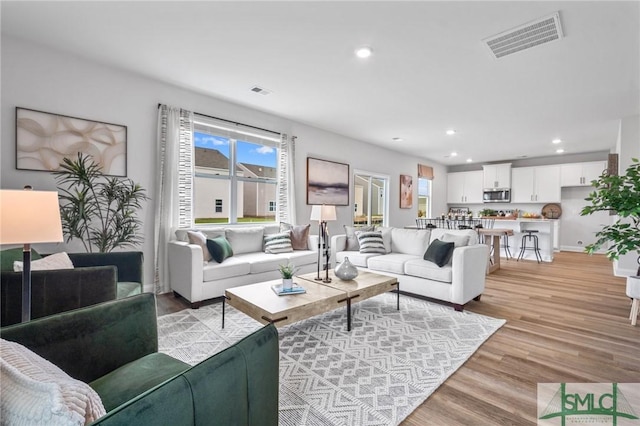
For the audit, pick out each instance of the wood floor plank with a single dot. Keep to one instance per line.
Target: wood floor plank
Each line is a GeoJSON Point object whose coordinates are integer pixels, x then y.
{"type": "Point", "coordinates": [567, 321]}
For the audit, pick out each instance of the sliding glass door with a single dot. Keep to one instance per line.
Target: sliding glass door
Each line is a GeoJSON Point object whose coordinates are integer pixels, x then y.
{"type": "Point", "coordinates": [370, 199]}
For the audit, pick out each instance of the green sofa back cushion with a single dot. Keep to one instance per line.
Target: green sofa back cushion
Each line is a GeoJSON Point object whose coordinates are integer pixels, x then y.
{"type": "Point", "coordinates": [7, 257]}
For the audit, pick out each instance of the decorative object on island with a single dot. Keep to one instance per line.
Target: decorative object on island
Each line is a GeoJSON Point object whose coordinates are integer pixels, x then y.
{"type": "Point", "coordinates": [406, 191]}
{"type": "Point", "coordinates": [287, 272]}
{"type": "Point", "coordinates": [619, 194]}
{"type": "Point", "coordinates": [28, 217]}
{"type": "Point", "coordinates": [44, 139]}
{"type": "Point", "coordinates": [323, 214]}
{"type": "Point", "coordinates": [327, 182]}
{"type": "Point", "coordinates": [98, 210]}
{"type": "Point", "coordinates": [345, 270]}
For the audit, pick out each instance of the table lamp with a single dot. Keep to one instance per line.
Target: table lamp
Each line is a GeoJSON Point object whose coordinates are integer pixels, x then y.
{"type": "Point", "coordinates": [323, 213]}
{"type": "Point", "coordinates": [28, 217]}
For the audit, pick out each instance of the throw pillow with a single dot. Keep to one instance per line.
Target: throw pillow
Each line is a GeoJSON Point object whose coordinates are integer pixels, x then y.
{"type": "Point", "coordinates": [278, 243]}
{"type": "Point", "coordinates": [35, 391]}
{"type": "Point", "coordinates": [7, 257]}
{"type": "Point", "coordinates": [199, 239]}
{"type": "Point", "coordinates": [458, 240]}
{"type": "Point", "coordinates": [371, 242]}
{"type": "Point", "coordinates": [299, 235]}
{"type": "Point", "coordinates": [352, 239]}
{"type": "Point", "coordinates": [51, 262]}
{"type": "Point", "coordinates": [219, 248]}
{"type": "Point", "coordinates": [439, 252]}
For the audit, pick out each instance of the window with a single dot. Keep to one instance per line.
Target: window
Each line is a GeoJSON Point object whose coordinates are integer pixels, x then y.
{"type": "Point", "coordinates": [424, 197]}
{"type": "Point", "coordinates": [370, 199]}
{"type": "Point", "coordinates": [236, 173]}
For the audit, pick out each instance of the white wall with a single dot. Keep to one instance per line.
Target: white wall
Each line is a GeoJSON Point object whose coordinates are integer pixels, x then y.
{"type": "Point", "coordinates": [40, 78]}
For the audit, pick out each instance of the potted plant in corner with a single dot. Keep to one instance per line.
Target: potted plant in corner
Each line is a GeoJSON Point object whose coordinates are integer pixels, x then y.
{"type": "Point", "coordinates": [620, 194]}
{"type": "Point", "coordinates": [287, 272]}
{"type": "Point", "coordinates": [100, 211]}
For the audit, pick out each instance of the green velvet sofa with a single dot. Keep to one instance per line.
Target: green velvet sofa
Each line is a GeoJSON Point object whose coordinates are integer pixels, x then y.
{"type": "Point", "coordinates": [96, 278]}
{"type": "Point", "coordinates": [113, 346]}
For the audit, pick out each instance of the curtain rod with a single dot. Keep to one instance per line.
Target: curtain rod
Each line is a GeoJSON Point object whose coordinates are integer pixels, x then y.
{"type": "Point", "coordinates": [234, 122]}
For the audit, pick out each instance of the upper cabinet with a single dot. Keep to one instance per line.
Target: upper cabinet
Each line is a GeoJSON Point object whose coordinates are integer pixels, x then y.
{"type": "Point", "coordinates": [535, 184]}
{"type": "Point", "coordinates": [497, 176]}
{"type": "Point", "coordinates": [464, 188]}
{"type": "Point", "coordinates": [581, 174]}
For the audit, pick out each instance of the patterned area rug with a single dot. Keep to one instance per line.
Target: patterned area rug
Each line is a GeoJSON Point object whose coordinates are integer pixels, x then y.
{"type": "Point", "coordinates": [377, 374]}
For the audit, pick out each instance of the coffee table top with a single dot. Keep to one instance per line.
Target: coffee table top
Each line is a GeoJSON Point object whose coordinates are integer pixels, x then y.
{"type": "Point", "coordinates": [364, 281]}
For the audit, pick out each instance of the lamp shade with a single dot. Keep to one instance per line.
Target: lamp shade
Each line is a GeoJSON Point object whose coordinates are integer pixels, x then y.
{"type": "Point", "coordinates": [323, 213]}
{"type": "Point", "coordinates": [28, 217]}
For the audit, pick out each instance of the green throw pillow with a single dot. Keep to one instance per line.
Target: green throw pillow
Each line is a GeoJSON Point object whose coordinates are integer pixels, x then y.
{"type": "Point", "coordinates": [439, 252]}
{"type": "Point", "coordinates": [7, 257]}
{"type": "Point", "coordinates": [220, 248]}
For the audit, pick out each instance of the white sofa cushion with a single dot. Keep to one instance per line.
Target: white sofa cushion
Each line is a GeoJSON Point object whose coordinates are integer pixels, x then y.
{"type": "Point", "coordinates": [393, 262]}
{"type": "Point", "coordinates": [302, 257]}
{"type": "Point", "coordinates": [386, 237]}
{"type": "Point", "coordinates": [424, 269]}
{"type": "Point", "coordinates": [355, 257]}
{"type": "Point", "coordinates": [231, 267]}
{"type": "Point", "coordinates": [261, 262]}
{"type": "Point", "coordinates": [410, 241]}
{"type": "Point", "coordinates": [245, 240]}
{"type": "Point", "coordinates": [439, 233]}
{"type": "Point", "coordinates": [457, 240]}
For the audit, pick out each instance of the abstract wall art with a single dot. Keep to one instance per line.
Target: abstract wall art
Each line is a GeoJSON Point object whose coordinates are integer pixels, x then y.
{"type": "Point", "coordinates": [327, 182]}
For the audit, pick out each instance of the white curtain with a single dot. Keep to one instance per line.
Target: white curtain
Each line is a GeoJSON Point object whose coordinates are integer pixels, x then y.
{"type": "Point", "coordinates": [286, 180]}
{"type": "Point", "coordinates": [173, 198]}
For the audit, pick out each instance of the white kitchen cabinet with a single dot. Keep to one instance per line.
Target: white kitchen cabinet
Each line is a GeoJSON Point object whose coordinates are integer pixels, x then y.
{"type": "Point", "coordinates": [535, 184]}
{"type": "Point", "coordinates": [464, 187]}
{"type": "Point", "coordinates": [581, 174]}
{"type": "Point", "coordinates": [497, 175]}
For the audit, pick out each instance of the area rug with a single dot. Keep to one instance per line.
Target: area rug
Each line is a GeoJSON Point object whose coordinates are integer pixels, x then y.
{"type": "Point", "coordinates": [377, 374]}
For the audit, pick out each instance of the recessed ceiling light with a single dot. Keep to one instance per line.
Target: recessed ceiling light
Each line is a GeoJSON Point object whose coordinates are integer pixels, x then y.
{"type": "Point", "coordinates": [556, 141]}
{"type": "Point", "coordinates": [469, 160]}
{"type": "Point", "coordinates": [397, 139]}
{"type": "Point", "coordinates": [454, 154]}
{"type": "Point", "coordinates": [363, 52]}
{"type": "Point", "coordinates": [559, 151]}
{"type": "Point", "coordinates": [451, 132]}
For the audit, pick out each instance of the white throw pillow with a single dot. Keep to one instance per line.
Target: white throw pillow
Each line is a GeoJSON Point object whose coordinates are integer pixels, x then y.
{"type": "Point", "coordinates": [36, 392]}
{"type": "Point", "coordinates": [410, 241]}
{"type": "Point", "coordinates": [198, 238]}
{"type": "Point", "coordinates": [457, 240]}
{"type": "Point", "coordinates": [51, 262]}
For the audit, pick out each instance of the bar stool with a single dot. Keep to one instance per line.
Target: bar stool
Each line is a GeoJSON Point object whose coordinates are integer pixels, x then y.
{"type": "Point", "coordinates": [505, 244]}
{"type": "Point", "coordinates": [528, 236]}
{"type": "Point", "coordinates": [633, 291]}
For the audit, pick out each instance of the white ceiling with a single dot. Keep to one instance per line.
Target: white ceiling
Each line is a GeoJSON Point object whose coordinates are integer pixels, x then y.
{"type": "Point", "coordinates": [429, 72]}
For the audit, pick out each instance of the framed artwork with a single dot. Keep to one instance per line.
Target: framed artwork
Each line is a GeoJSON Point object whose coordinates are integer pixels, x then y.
{"type": "Point", "coordinates": [406, 191]}
{"type": "Point", "coordinates": [43, 140]}
{"type": "Point", "coordinates": [327, 182]}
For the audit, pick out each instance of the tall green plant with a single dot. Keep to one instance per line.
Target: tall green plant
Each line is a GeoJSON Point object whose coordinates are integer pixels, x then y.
{"type": "Point", "coordinates": [622, 195]}
{"type": "Point", "coordinates": [100, 211]}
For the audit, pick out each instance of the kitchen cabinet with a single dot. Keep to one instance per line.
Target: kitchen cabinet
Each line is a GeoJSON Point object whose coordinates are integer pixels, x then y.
{"type": "Point", "coordinates": [497, 175]}
{"type": "Point", "coordinates": [464, 187]}
{"type": "Point", "coordinates": [535, 184]}
{"type": "Point", "coordinates": [581, 174]}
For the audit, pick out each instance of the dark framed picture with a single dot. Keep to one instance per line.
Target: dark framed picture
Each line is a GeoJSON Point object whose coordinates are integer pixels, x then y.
{"type": "Point", "coordinates": [406, 191]}
{"type": "Point", "coordinates": [44, 140]}
{"type": "Point", "coordinates": [327, 182]}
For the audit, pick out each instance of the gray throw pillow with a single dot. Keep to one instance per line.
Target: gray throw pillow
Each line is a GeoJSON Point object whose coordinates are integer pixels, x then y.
{"type": "Point", "coordinates": [299, 235]}
{"type": "Point", "coordinates": [278, 243]}
{"type": "Point", "coordinates": [371, 242]}
{"type": "Point", "coordinates": [439, 252]}
{"type": "Point", "coordinates": [352, 239]}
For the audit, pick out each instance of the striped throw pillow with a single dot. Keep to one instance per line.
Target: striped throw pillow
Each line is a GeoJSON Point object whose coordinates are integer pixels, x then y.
{"type": "Point", "coordinates": [370, 242]}
{"type": "Point", "coordinates": [278, 243]}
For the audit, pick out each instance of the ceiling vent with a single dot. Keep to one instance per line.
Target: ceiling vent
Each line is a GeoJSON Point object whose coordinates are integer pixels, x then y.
{"type": "Point", "coordinates": [525, 36]}
{"type": "Point", "coordinates": [260, 90]}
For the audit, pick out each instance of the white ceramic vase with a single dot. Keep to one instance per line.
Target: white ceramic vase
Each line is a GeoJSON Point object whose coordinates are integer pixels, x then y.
{"type": "Point", "coordinates": [287, 284]}
{"type": "Point", "coordinates": [346, 271]}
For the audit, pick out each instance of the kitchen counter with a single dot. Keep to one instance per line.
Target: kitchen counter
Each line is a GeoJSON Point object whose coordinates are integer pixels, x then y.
{"type": "Point", "coordinates": [545, 234]}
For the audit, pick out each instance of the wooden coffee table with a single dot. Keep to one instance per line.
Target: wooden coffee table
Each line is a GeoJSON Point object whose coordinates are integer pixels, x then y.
{"type": "Point", "coordinates": [260, 302]}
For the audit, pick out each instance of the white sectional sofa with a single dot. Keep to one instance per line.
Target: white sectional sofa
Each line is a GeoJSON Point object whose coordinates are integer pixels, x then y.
{"type": "Point", "coordinates": [458, 282]}
{"type": "Point", "coordinates": [196, 280]}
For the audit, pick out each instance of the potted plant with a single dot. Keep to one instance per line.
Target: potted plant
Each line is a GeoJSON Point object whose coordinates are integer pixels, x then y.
{"type": "Point", "coordinates": [620, 194]}
{"type": "Point", "coordinates": [100, 211]}
{"type": "Point", "coordinates": [287, 272]}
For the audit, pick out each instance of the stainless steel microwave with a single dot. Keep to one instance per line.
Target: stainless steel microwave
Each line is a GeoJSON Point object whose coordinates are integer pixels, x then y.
{"type": "Point", "coordinates": [496, 195]}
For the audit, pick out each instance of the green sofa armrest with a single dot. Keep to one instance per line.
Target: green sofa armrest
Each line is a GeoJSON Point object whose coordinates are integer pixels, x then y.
{"type": "Point", "coordinates": [88, 343]}
{"type": "Point", "coordinates": [130, 264]}
{"type": "Point", "coordinates": [56, 291]}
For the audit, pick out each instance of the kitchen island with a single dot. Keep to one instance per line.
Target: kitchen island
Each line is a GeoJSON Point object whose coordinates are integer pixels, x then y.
{"type": "Point", "coordinates": [545, 234]}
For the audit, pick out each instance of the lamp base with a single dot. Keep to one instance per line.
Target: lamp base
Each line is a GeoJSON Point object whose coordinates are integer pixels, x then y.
{"type": "Point", "coordinates": [326, 280]}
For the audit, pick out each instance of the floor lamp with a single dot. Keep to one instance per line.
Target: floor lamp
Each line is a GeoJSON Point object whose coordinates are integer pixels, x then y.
{"type": "Point", "coordinates": [323, 214]}
{"type": "Point", "coordinates": [28, 217]}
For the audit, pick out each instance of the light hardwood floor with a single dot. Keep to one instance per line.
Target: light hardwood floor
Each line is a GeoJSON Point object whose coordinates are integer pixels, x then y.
{"type": "Point", "coordinates": [567, 321]}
